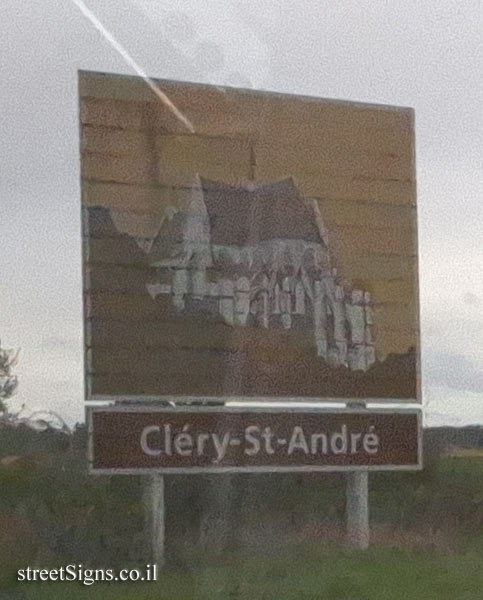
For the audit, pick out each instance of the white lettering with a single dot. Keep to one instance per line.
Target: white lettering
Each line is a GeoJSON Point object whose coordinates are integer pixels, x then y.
{"type": "Point", "coordinates": [268, 436]}
{"type": "Point", "coordinates": [341, 447]}
{"type": "Point", "coordinates": [221, 445]}
{"type": "Point", "coordinates": [250, 433]}
{"type": "Point", "coordinates": [167, 440]}
{"type": "Point", "coordinates": [298, 441]}
{"type": "Point", "coordinates": [183, 442]}
{"type": "Point", "coordinates": [314, 439]}
{"type": "Point", "coordinates": [144, 440]}
{"type": "Point", "coordinates": [355, 438]}
{"type": "Point", "coordinates": [371, 441]}
{"type": "Point", "coordinates": [200, 444]}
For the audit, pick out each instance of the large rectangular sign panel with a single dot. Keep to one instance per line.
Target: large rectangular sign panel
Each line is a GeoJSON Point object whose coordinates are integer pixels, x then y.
{"type": "Point", "coordinates": [244, 244]}
{"type": "Point", "coordinates": [207, 439]}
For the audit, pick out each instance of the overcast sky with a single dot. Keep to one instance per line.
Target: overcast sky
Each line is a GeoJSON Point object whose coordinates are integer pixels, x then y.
{"type": "Point", "coordinates": [419, 53]}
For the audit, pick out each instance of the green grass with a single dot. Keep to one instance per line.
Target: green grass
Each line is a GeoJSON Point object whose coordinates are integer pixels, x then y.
{"type": "Point", "coordinates": [303, 573]}
{"type": "Point", "coordinates": [427, 531]}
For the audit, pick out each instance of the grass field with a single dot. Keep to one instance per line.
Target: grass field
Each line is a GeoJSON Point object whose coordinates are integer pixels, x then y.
{"type": "Point", "coordinates": [426, 528]}
{"type": "Point", "coordinates": [304, 573]}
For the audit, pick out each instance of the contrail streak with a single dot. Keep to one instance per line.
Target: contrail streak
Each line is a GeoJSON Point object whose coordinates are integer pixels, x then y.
{"type": "Point", "coordinates": [132, 63]}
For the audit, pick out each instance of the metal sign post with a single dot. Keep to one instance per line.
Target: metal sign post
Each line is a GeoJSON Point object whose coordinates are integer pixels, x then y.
{"type": "Point", "coordinates": [357, 509]}
{"type": "Point", "coordinates": [155, 511]}
{"type": "Point", "coordinates": [357, 503]}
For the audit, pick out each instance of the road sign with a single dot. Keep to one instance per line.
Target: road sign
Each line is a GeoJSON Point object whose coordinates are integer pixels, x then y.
{"type": "Point", "coordinates": [137, 439]}
{"type": "Point", "coordinates": [244, 244]}
{"type": "Point", "coordinates": [264, 245]}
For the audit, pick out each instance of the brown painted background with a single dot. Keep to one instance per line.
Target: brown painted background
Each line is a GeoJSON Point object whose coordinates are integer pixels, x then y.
{"type": "Point", "coordinates": [137, 158]}
{"type": "Point", "coordinates": [116, 438]}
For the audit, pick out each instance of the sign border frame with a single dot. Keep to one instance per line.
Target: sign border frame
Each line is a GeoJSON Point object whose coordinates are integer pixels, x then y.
{"type": "Point", "coordinates": [138, 408]}
{"type": "Point", "coordinates": [153, 398]}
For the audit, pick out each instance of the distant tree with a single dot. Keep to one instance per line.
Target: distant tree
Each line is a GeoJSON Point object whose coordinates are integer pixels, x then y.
{"type": "Point", "coordinates": [8, 381]}
{"type": "Point", "coordinates": [39, 420]}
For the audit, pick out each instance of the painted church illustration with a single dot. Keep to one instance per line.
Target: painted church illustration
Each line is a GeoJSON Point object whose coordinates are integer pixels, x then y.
{"type": "Point", "coordinates": [258, 256]}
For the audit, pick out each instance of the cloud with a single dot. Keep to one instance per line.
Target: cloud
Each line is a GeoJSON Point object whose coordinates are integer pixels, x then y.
{"type": "Point", "coordinates": [454, 371]}
{"type": "Point", "coordinates": [472, 299]}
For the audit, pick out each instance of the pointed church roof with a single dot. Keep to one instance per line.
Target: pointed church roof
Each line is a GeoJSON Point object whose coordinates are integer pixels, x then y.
{"type": "Point", "coordinates": [245, 215]}
{"type": "Point", "coordinates": [169, 239]}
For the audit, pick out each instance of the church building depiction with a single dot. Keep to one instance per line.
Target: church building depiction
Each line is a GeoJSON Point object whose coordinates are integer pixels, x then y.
{"type": "Point", "coordinates": [258, 256]}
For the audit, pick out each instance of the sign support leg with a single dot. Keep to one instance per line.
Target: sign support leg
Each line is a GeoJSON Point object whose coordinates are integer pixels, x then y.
{"type": "Point", "coordinates": [155, 517]}
{"type": "Point", "coordinates": [357, 509]}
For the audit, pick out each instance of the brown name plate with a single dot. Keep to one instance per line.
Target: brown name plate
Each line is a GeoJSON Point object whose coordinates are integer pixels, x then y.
{"type": "Point", "coordinates": [137, 439]}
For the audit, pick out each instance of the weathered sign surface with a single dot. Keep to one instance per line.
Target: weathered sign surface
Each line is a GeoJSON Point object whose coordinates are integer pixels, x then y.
{"type": "Point", "coordinates": [137, 439]}
{"type": "Point", "coordinates": [246, 244]}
